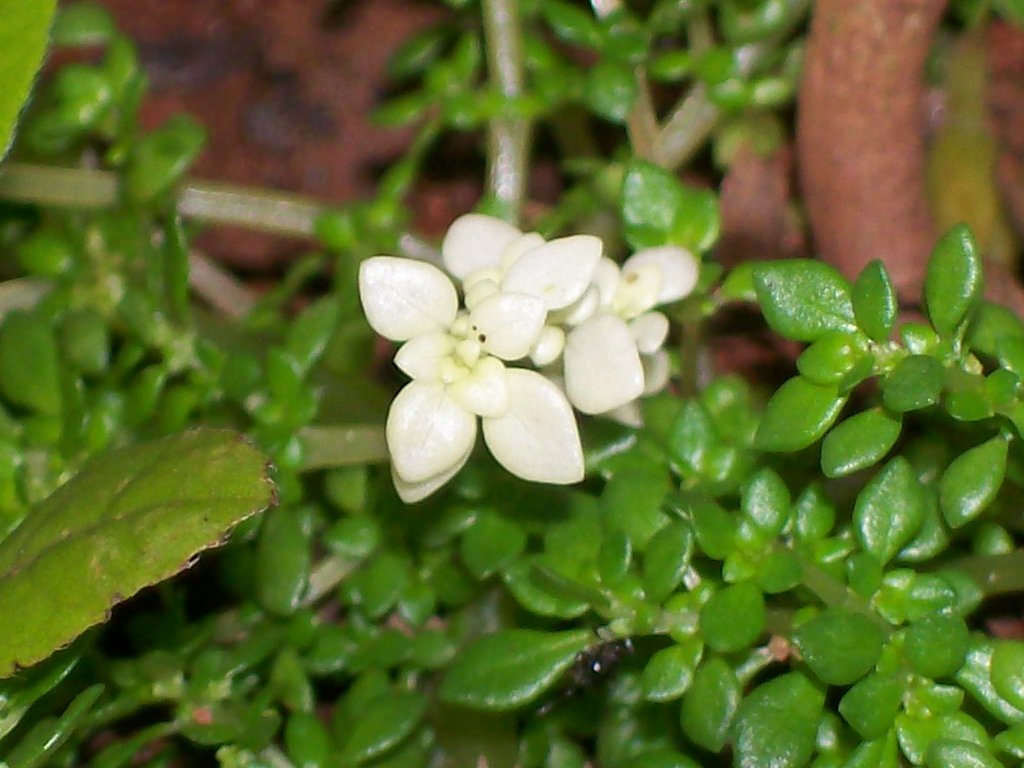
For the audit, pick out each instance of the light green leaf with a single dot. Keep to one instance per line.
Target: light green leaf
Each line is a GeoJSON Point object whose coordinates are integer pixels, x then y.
{"type": "Point", "coordinates": [971, 481]}
{"type": "Point", "coordinates": [651, 199]}
{"type": "Point", "coordinates": [23, 39]}
{"type": "Point", "coordinates": [710, 705]}
{"type": "Point", "coordinates": [802, 298]}
{"type": "Point", "coordinates": [889, 510]}
{"type": "Point", "coordinates": [777, 722]}
{"type": "Point", "coordinates": [859, 442]}
{"type": "Point", "coordinates": [953, 282]}
{"type": "Point", "coordinates": [129, 519]}
{"type": "Point", "coordinates": [874, 301]}
{"type": "Point", "coordinates": [510, 668]}
{"type": "Point", "coordinates": [839, 646]}
{"type": "Point", "coordinates": [384, 723]}
{"type": "Point", "coordinates": [799, 413]}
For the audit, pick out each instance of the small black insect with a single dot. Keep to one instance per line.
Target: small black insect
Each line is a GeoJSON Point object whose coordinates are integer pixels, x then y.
{"type": "Point", "coordinates": [592, 666]}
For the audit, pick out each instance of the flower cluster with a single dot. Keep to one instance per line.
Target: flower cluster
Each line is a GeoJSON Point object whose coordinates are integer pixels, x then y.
{"type": "Point", "coordinates": [585, 323]}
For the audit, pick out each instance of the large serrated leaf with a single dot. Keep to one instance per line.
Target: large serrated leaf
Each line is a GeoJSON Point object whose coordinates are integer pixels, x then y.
{"type": "Point", "coordinates": [129, 519]}
{"type": "Point", "coordinates": [510, 668]}
{"type": "Point", "coordinates": [24, 27]}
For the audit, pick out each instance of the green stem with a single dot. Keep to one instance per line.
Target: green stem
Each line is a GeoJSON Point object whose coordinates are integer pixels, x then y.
{"type": "Point", "coordinates": [342, 446]}
{"type": "Point", "coordinates": [508, 139]}
{"type": "Point", "coordinates": [279, 213]}
{"type": "Point", "coordinates": [994, 574]}
{"type": "Point", "coordinates": [835, 594]}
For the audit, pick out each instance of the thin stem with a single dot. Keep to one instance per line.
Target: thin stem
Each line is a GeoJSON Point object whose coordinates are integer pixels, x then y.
{"type": "Point", "coordinates": [508, 140]}
{"type": "Point", "coordinates": [642, 121]}
{"type": "Point", "coordinates": [835, 594]}
{"type": "Point", "coordinates": [218, 287]}
{"type": "Point", "coordinates": [994, 574]}
{"type": "Point", "coordinates": [279, 213]}
{"type": "Point", "coordinates": [327, 574]}
{"type": "Point", "coordinates": [342, 446]}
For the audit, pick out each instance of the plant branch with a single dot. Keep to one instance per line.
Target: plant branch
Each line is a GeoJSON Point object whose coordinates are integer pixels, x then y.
{"type": "Point", "coordinates": [994, 574]}
{"type": "Point", "coordinates": [835, 594]}
{"type": "Point", "coordinates": [508, 139]}
{"type": "Point", "coordinates": [218, 287]}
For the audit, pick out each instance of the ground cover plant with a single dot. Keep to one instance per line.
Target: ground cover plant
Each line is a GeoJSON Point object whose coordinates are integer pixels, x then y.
{"type": "Point", "coordinates": [498, 494]}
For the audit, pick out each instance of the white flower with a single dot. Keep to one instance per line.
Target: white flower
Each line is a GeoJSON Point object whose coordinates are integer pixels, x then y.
{"type": "Point", "coordinates": [456, 357]}
{"type": "Point", "coordinates": [613, 354]}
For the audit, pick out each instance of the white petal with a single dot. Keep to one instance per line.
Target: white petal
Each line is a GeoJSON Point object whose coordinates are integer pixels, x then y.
{"type": "Point", "coordinates": [508, 324]}
{"type": "Point", "coordinates": [602, 366]}
{"type": "Point", "coordinates": [656, 371]}
{"type": "Point", "coordinates": [637, 291]}
{"type": "Point", "coordinates": [476, 241]}
{"type": "Point", "coordinates": [403, 298]}
{"type": "Point", "coordinates": [629, 414]}
{"type": "Point", "coordinates": [582, 309]}
{"type": "Point", "coordinates": [549, 346]}
{"type": "Point", "coordinates": [606, 278]}
{"type": "Point", "coordinates": [650, 331]}
{"type": "Point", "coordinates": [478, 291]}
{"type": "Point", "coordinates": [484, 391]}
{"type": "Point", "coordinates": [679, 270]}
{"type": "Point", "coordinates": [420, 357]}
{"type": "Point", "coordinates": [526, 243]}
{"type": "Point", "coordinates": [537, 438]}
{"type": "Point", "coordinates": [557, 272]}
{"type": "Point", "coordinates": [427, 431]}
{"type": "Point", "coordinates": [410, 493]}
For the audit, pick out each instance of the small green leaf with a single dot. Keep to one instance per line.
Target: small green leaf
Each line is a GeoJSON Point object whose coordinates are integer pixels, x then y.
{"type": "Point", "coordinates": [765, 502]}
{"type": "Point", "coordinates": [23, 39]}
{"type": "Point", "coordinates": [975, 677]}
{"type": "Point", "coordinates": [651, 199]}
{"type": "Point", "coordinates": [953, 282]}
{"type": "Point", "coordinates": [666, 560]}
{"type": "Point", "coordinates": [631, 503]}
{"type": "Point", "coordinates": [610, 90]}
{"type": "Point", "coordinates": [283, 560]}
{"type": "Point", "coordinates": [572, 24]}
{"type": "Point", "coordinates": [871, 705]}
{"type": "Point", "coordinates": [936, 646]}
{"type": "Point", "coordinates": [129, 519]}
{"type": "Point", "coordinates": [889, 510]}
{"type": "Point", "coordinates": [669, 673]}
{"type": "Point", "coordinates": [971, 481]}
{"type": "Point", "coordinates": [803, 299]}
{"type": "Point", "coordinates": [798, 414]}
{"type": "Point", "coordinates": [710, 705]}
{"type": "Point", "coordinates": [733, 618]}
{"type": "Point", "coordinates": [874, 301]}
{"type": "Point", "coordinates": [1007, 671]}
{"type": "Point", "coordinates": [491, 543]}
{"type": "Point", "coordinates": [698, 220]}
{"type": "Point", "coordinates": [878, 753]}
{"type": "Point", "coordinates": [160, 159]}
{"type": "Point", "coordinates": [989, 325]}
{"type": "Point", "coordinates": [832, 357]}
{"type": "Point", "coordinates": [511, 668]}
{"type": "Point", "coordinates": [29, 363]}
{"type": "Point", "coordinates": [839, 646]}
{"type": "Point", "coordinates": [957, 753]}
{"type": "Point", "coordinates": [383, 724]}
{"type": "Point", "coordinates": [859, 442]}
{"type": "Point", "coordinates": [776, 724]}
{"type": "Point", "coordinates": [914, 384]}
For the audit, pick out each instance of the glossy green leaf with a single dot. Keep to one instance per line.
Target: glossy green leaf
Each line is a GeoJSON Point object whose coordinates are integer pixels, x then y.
{"type": "Point", "coordinates": [23, 39]}
{"type": "Point", "coordinates": [832, 357]}
{"type": "Point", "coordinates": [914, 384]}
{"type": "Point", "coordinates": [510, 668]}
{"type": "Point", "coordinates": [839, 646]}
{"type": "Point", "coordinates": [383, 724]}
{"type": "Point", "coordinates": [29, 363]}
{"type": "Point", "coordinates": [632, 504]}
{"type": "Point", "coordinates": [283, 560]}
{"type": "Point", "coordinates": [874, 301]}
{"type": "Point", "coordinates": [803, 299]}
{"type": "Point", "coordinates": [765, 501]}
{"type": "Point", "coordinates": [733, 618]}
{"type": "Point", "coordinates": [957, 753]}
{"type": "Point", "coordinates": [1007, 671]}
{"type": "Point", "coordinates": [776, 724]}
{"type": "Point", "coordinates": [859, 442]}
{"type": "Point", "coordinates": [670, 671]}
{"type": "Point", "coordinates": [936, 646]}
{"type": "Point", "coordinates": [710, 705]}
{"type": "Point", "coordinates": [698, 221]}
{"type": "Point", "coordinates": [918, 733]}
{"type": "Point", "coordinates": [797, 415]}
{"type": "Point", "coordinates": [953, 281]}
{"type": "Point", "coordinates": [878, 753]}
{"type": "Point", "coordinates": [871, 705]}
{"type": "Point", "coordinates": [536, 595]}
{"type": "Point", "coordinates": [975, 677]}
{"type": "Point", "coordinates": [651, 199]}
{"type": "Point", "coordinates": [129, 519]}
{"type": "Point", "coordinates": [306, 740]}
{"type": "Point", "coordinates": [971, 481]}
{"type": "Point", "coordinates": [666, 560]}
{"type": "Point", "coordinates": [572, 24]}
{"type": "Point", "coordinates": [889, 510]}
{"type": "Point", "coordinates": [610, 90]}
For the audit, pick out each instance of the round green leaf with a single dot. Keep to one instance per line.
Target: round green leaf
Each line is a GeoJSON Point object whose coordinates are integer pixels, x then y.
{"type": "Point", "coordinates": [666, 560]}
{"type": "Point", "coordinates": [889, 510]}
{"type": "Point", "coordinates": [914, 384]}
{"type": "Point", "coordinates": [871, 705]}
{"type": "Point", "coordinates": [382, 724]}
{"type": "Point", "coordinates": [23, 39]}
{"type": "Point", "coordinates": [832, 357]}
{"type": "Point", "coordinates": [953, 281]}
{"type": "Point", "coordinates": [670, 671]}
{"type": "Point", "coordinates": [765, 502]}
{"type": "Point", "coordinates": [733, 618]}
{"type": "Point", "coordinates": [936, 646]}
{"type": "Point", "coordinates": [610, 90]}
{"type": "Point", "coordinates": [651, 199]}
{"type": "Point", "coordinates": [859, 442]}
{"type": "Point", "coordinates": [283, 560]}
{"type": "Point", "coordinates": [510, 668]}
{"type": "Point", "coordinates": [839, 646]}
{"type": "Point", "coordinates": [129, 519]}
{"type": "Point", "coordinates": [958, 753]}
{"type": "Point", "coordinates": [29, 363]}
{"type": "Point", "coordinates": [491, 543]}
{"type": "Point", "coordinates": [803, 299]}
{"type": "Point", "coordinates": [776, 724]}
{"type": "Point", "coordinates": [874, 301]}
{"type": "Point", "coordinates": [799, 413]}
{"type": "Point", "coordinates": [1007, 671]}
{"type": "Point", "coordinates": [971, 481]}
{"type": "Point", "coordinates": [710, 705]}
